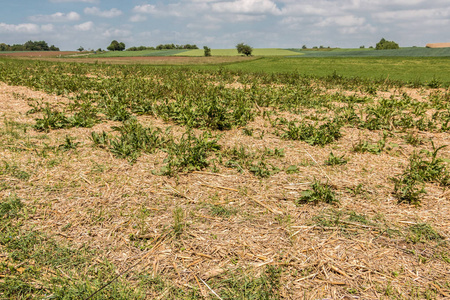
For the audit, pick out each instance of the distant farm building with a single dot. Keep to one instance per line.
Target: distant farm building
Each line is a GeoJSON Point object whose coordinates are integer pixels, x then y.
{"type": "Point", "coordinates": [439, 45]}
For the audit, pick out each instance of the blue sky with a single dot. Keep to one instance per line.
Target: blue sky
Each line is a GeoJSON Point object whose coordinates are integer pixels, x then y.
{"type": "Point", "coordinates": [93, 24]}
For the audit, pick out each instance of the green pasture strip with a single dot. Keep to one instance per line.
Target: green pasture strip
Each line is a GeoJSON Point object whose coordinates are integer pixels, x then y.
{"type": "Point", "coordinates": [402, 52]}
{"type": "Point", "coordinates": [138, 53]}
{"type": "Point", "coordinates": [233, 52]}
{"type": "Point", "coordinates": [404, 69]}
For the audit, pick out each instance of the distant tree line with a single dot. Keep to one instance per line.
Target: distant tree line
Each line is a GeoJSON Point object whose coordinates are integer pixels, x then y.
{"type": "Point", "coordinates": [29, 46]}
{"type": "Point", "coordinates": [163, 47]}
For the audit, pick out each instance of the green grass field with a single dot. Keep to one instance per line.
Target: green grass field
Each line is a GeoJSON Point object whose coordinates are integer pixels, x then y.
{"type": "Point", "coordinates": [402, 52]}
{"type": "Point", "coordinates": [407, 69]}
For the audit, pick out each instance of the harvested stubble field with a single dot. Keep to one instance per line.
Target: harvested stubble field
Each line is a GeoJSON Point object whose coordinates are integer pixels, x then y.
{"type": "Point", "coordinates": [169, 183]}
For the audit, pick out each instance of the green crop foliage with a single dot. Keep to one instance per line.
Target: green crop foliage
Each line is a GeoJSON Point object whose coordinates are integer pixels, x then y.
{"type": "Point", "coordinates": [320, 135]}
{"type": "Point", "coordinates": [134, 139]}
{"type": "Point", "coordinates": [262, 169]}
{"type": "Point", "coordinates": [335, 160]}
{"type": "Point", "coordinates": [69, 144]}
{"type": "Point", "coordinates": [364, 146]}
{"type": "Point", "coordinates": [52, 119]}
{"type": "Point", "coordinates": [319, 192]}
{"type": "Point", "coordinates": [409, 186]}
{"type": "Point", "coordinates": [189, 153]}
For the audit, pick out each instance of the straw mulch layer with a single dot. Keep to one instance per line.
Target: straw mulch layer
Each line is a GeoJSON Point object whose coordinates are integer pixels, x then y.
{"type": "Point", "coordinates": [229, 223]}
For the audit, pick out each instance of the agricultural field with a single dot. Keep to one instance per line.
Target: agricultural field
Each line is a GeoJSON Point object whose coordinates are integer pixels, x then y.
{"type": "Point", "coordinates": [414, 70]}
{"type": "Point", "coordinates": [195, 182]}
{"type": "Point", "coordinates": [154, 53]}
{"type": "Point", "coordinates": [233, 52]}
{"type": "Point", "coordinates": [368, 52]}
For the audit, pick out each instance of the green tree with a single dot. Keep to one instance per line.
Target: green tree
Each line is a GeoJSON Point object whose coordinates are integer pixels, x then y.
{"type": "Point", "coordinates": [244, 49]}
{"type": "Point", "coordinates": [81, 49]}
{"type": "Point", "coordinates": [385, 45]}
{"type": "Point", "coordinates": [207, 51]}
{"type": "Point", "coordinates": [4, 47]}
{"type": "Point", "coordinates": [116, 46]}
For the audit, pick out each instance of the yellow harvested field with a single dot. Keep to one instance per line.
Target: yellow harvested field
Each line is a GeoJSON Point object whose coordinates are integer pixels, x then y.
{"type": "Point", "coordinates": [439, 45]}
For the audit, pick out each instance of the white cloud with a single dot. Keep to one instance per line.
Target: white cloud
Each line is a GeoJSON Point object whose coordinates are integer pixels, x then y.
{"type": "Point", "coordinates": [85, 26]}
{"type": "Point", "coordinates": [19, 28]}
{"type": "Point", "coordinates": [145, 9]}
{"type": "Point", "coordinates": [247, 7]}
{"type": "Point", "coordinates": [343, 21]}
{"type": "Point", "coordinates": [112, 13]}
{"type": "Point", "coordinates": [413, 15]}
{"type": "Point", "coordinates": [138, 18]}
{"type": "Point", "coordinates": [48, 28]}
{"type": "Point", "coordinates": [117, 33]}
{"type": "Point", "coordinates": [25, 28]}
{"type": "Point", "coordinates": [56, 17]}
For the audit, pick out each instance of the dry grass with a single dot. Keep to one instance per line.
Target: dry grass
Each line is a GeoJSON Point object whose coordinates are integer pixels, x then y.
{"type": "Point", "coordinates": [357, 249]}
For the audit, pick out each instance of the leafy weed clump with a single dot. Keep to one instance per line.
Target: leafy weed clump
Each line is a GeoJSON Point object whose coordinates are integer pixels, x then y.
{"type": "Point", "coordinates": [86, 116]}
{"type": "Point", "coordinates": [321, 135]}
{"type": "Point", "coordinates": [335, 160]}
{"type": "Point", "coordinates": [419, 171]}
{"type": "Point", "coordinates": [263, 170]}
{"type": "Point", "coordinates": [132, 141]}
{"type": "Point", "coordinates": [364, 146]}
{"type": "Point", "coordinates": [51, 119]}
{"type": "Point", "coordinates": [190, 153]}
{"type": "Point", "coordinates": [319, 192]}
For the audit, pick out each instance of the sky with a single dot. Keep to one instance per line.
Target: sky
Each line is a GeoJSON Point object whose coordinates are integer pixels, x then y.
{"type": "Point", "coordinates": [93, 24]}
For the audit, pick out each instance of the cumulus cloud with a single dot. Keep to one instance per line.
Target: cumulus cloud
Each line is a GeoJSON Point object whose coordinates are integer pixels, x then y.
{"type": "Point", "coordinates": [413, 14]}
{"type": "Point", "coordinates": [56, 17]}
{"type": "Point", "coordinates": [112, 13]}
{"type": "Point", "coordinates": [138, 18]}
{"type": "Point", "coordinates": [25, 28]}
{"type": "Point", "coordinates": [344, 21]}
{"type": "Point", "coordinates": [246, 7]}
{"type": "Point", "coordinates": [86, 26]}
{"type": "Point", "coordinates": [145, 9]}
{"type": "Point", "coordinates": [117, 33]}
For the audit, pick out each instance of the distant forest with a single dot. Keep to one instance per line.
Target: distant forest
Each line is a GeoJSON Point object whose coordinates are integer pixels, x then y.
{"type": "Point", "coordinates": [29, 46]}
